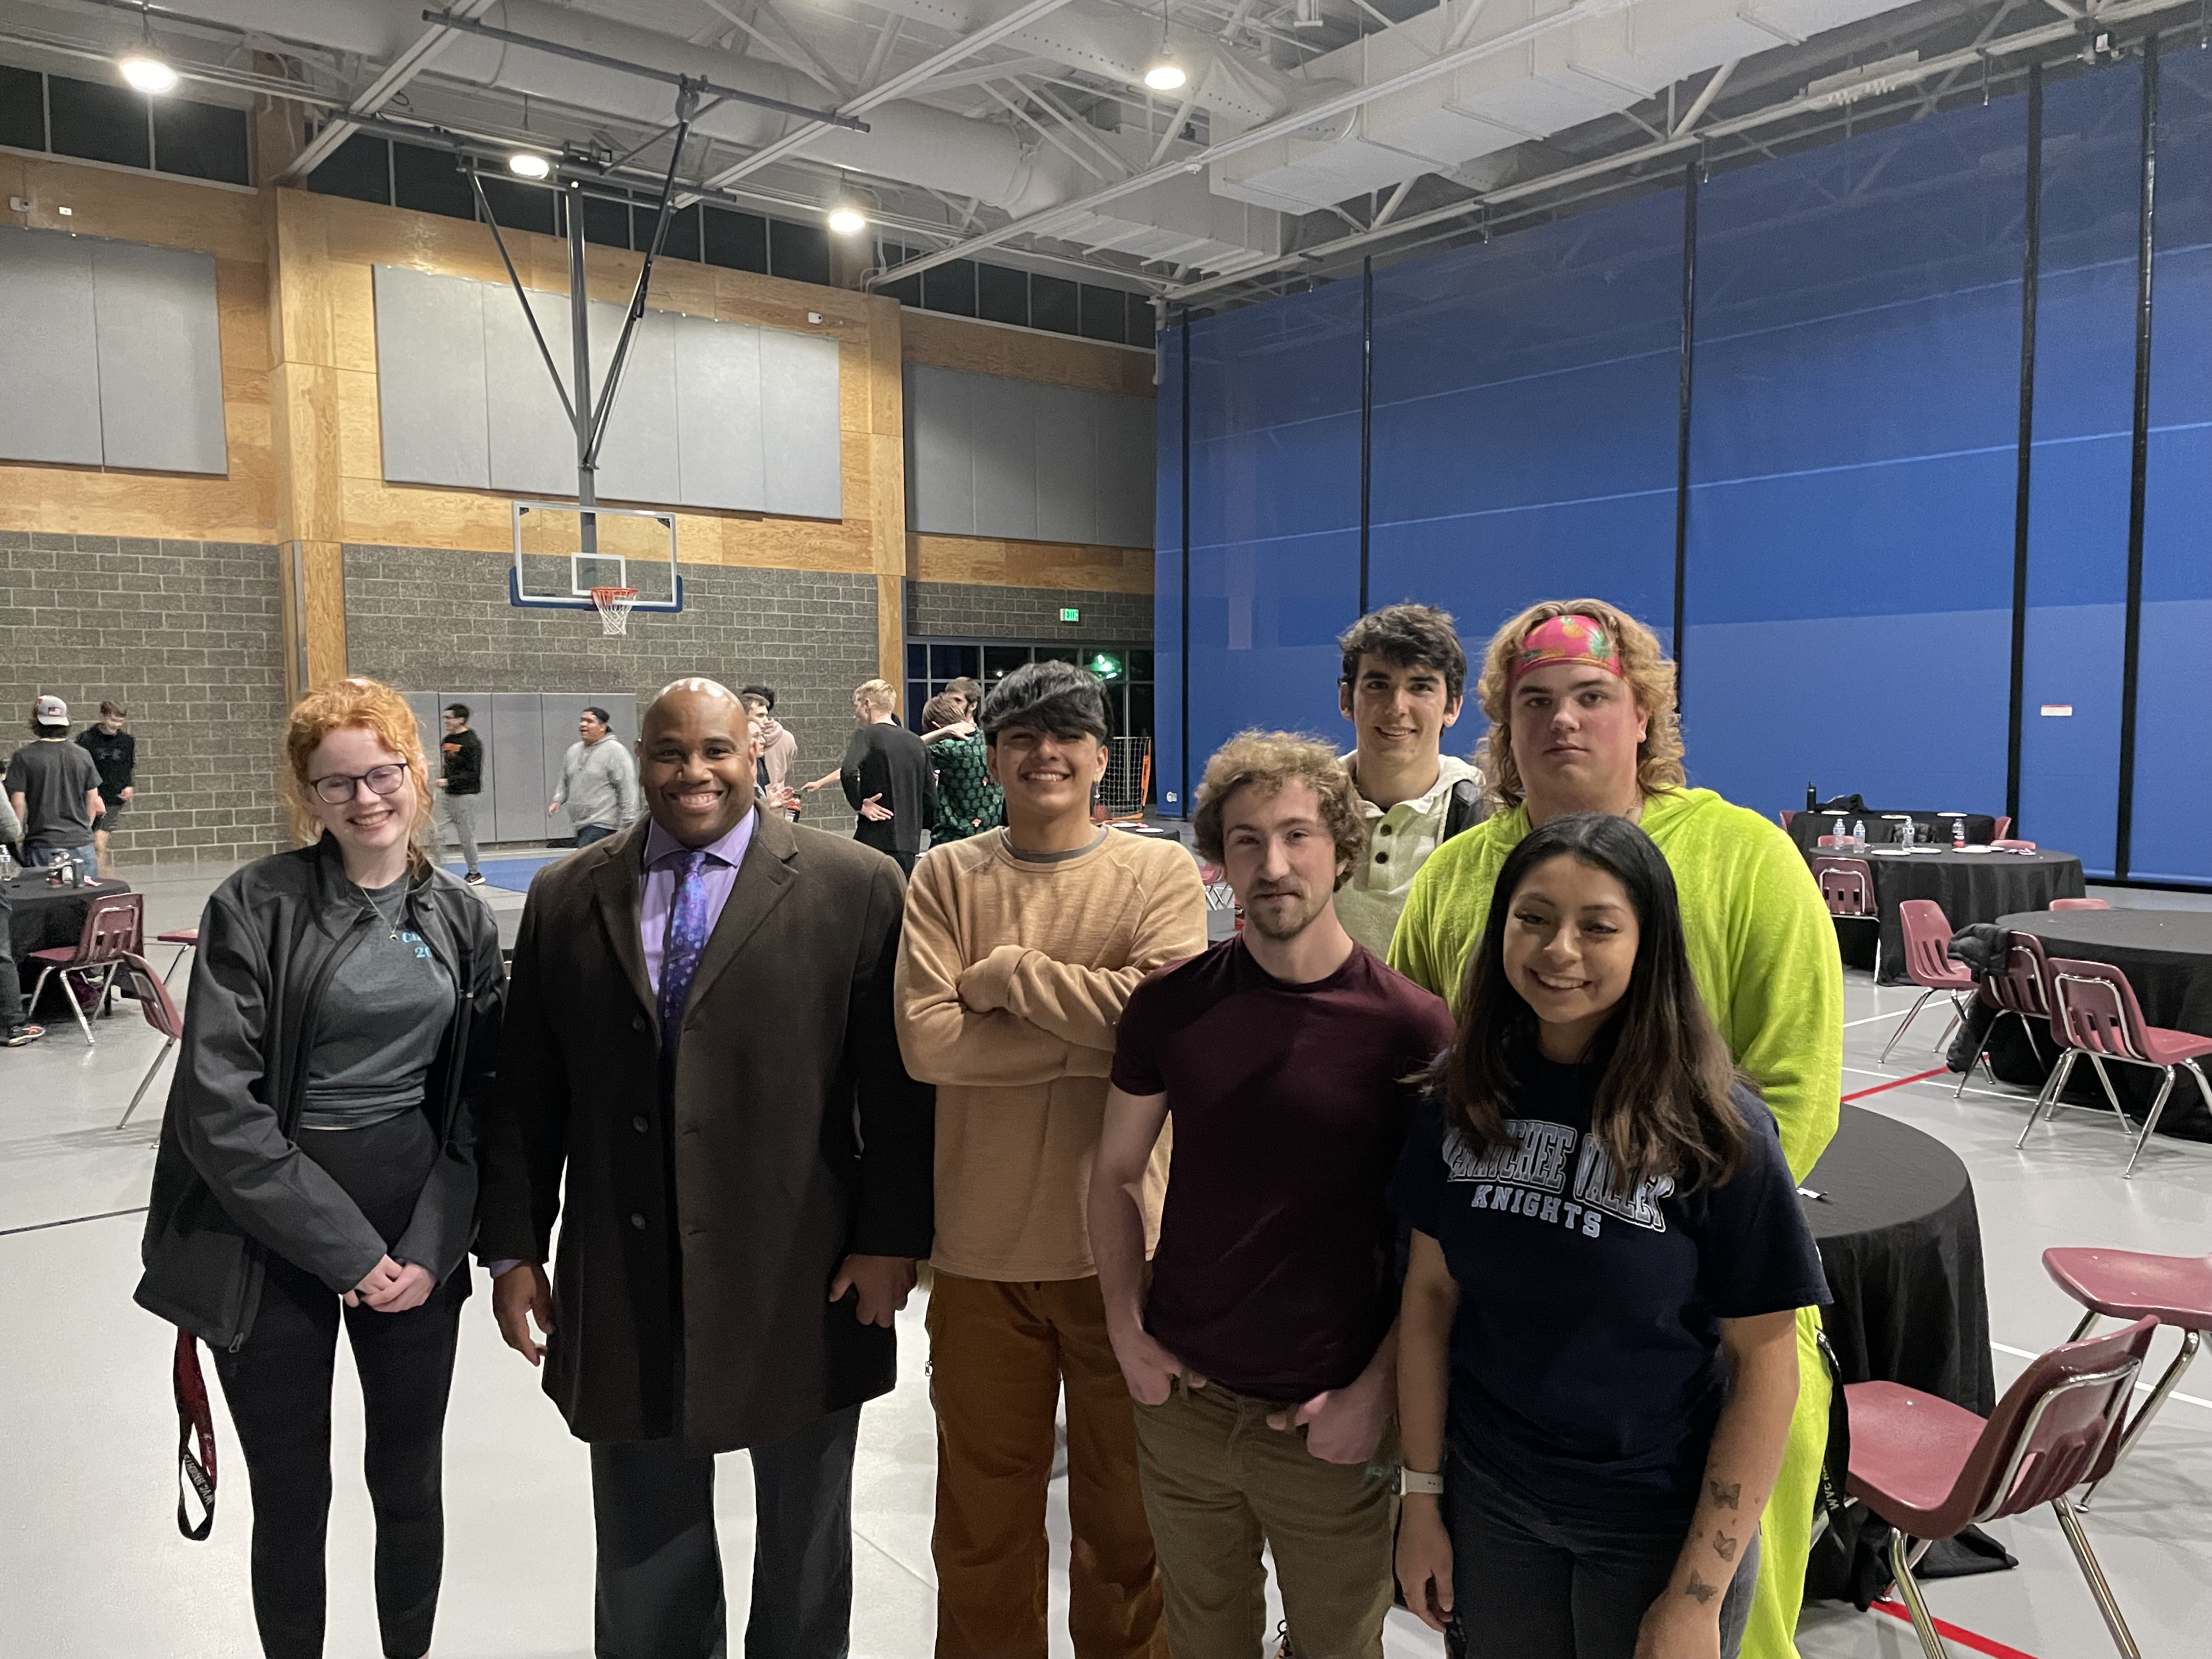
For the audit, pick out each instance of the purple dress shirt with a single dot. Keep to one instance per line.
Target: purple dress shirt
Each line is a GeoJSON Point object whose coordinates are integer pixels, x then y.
{"type": "Point", "coordinates": [656, 893]}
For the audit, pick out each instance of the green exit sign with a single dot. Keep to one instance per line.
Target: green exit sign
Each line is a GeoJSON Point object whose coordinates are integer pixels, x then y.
{"type": "Point", "coordinates": [1069, 613]}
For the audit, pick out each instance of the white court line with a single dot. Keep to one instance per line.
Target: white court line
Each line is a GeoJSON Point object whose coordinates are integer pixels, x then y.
{"type": "Point", "coordinates": [1870, 1019]}
{"type": "Point", "coordinates": [2140, 1388]}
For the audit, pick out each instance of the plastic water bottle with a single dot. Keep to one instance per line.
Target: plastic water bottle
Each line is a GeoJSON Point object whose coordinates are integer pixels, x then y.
{"type": "Point", "coordinates": [1958, 833]}
{"type": "Point", "coordinates": [1858, 834]}
{"type": "Point", "coordinates": [7, 865]}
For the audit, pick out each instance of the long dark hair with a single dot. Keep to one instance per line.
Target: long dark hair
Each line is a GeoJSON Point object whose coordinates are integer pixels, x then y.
{"type": "Point", "coordinates": [1663, 1108]}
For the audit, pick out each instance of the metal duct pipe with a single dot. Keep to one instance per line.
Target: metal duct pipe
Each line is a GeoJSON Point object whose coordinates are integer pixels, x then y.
{"type": "Point", "coordinates": [910, 142]}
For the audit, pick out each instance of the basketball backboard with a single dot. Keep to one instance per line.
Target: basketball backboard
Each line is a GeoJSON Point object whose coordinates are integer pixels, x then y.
{"type": "Point", "coordinates": [552, 570]}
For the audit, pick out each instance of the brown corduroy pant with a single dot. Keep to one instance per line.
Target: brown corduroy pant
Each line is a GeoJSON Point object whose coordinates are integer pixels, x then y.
{"type": "Point", "coordinates": [999, 1354]}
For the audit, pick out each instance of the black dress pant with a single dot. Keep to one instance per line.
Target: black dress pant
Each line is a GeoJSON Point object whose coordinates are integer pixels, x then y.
{"type": "Point", "coordinates": [278, 1387]}
{"type": "Point", "coordinates": [660, 1586]}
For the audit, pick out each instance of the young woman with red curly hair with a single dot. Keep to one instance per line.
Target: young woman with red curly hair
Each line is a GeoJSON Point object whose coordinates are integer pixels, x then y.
{"type": "Point", "coordinates": [317, 1163]}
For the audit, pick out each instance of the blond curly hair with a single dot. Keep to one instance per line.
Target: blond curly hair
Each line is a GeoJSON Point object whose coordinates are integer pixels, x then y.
{"type": "Point", "coordinates": [1650, 678]}
{"type": "Point", "coordinates": [1266, 760]}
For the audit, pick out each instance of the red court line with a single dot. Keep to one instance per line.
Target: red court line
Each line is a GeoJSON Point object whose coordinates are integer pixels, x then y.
{"type": "Point", "coordinates": [1917, 1077]}
{"type": "Point", "coordinates": [1951, 1632]}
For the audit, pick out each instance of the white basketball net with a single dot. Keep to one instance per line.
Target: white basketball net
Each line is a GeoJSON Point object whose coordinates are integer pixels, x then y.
{"type": "Point", "coordinates": [614, 604]}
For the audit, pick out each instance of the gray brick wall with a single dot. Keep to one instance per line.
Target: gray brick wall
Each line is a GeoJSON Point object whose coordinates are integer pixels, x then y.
{"type": "Point", "coordinates": [189, 635]}
{"type": "Point", "coordinates": [974, 610]}
{"type": "Point", "coordinates": [422, 619]}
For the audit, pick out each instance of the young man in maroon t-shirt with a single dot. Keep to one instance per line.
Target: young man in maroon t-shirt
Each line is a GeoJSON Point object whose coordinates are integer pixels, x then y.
{"type": "Point", "coordinates": [1262, 1354]}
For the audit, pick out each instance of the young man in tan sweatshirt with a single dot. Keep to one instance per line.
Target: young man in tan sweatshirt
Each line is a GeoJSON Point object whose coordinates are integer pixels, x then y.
{"type": "Point", "coordinates": [1020, 950]}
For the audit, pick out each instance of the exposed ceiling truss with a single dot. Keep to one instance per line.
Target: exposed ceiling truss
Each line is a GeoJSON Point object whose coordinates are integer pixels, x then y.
{"type": "Point", "coordinates": [1020, 131]}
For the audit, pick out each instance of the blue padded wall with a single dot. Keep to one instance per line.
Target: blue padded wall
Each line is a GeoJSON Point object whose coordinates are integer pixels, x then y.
{"type": "Point", "coordinates": [2172, 838]}
{"type": "Point", "coordinates": [2085, 377]}
{"type": "Point", "coordinates": [1274, 510]}
{"type": "Point", "coordinates": [1167, 585]}
{"type": "Point", "coordinates": [1526, 421]}
{"type": "Point", "coordinates": [1854, 424]}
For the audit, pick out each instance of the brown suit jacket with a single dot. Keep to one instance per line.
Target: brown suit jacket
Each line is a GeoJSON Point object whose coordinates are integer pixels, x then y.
{"type": "Point", "coordinates": [794, 1137]}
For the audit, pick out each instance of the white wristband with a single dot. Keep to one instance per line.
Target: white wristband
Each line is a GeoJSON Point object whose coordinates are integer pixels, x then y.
{"type": "Point", "coordinates": [1413, 1483]}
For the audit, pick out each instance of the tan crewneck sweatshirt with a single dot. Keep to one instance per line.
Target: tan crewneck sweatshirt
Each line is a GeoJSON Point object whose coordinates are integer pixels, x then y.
{"type": "Point", "coordinates": [1050, 948]}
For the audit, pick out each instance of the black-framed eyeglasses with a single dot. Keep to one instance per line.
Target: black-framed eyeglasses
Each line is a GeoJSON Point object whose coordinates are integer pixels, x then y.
{"type": "Point", "coordinates": [338, 787]}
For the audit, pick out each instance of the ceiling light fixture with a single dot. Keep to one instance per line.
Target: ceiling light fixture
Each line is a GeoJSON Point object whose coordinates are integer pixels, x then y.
{"type": "Point", "coordinates": [846, 218]}
{"type": "Point", "coordinates": [143, 67]}
{"type": "Point", "coordinates": [528, 164]}
{"type": "Point", "coordinates": [1163, 73]}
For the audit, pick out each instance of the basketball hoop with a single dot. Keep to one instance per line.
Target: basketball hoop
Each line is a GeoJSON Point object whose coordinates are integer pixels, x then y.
{"type": "Point", "coordinates": [614, 604]}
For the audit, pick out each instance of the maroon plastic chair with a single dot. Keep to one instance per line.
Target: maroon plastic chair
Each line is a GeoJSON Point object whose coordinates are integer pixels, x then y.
{"type": "Point", "coordinates": [1932, 1469]}
{"type": "Point", "coordinates": [186, 940]}
{"type": "Point", "coordinates": [1847, 889]}
{"type": "Point", "coordinates": [155, 1002]}
{"type": "Point", "coordinates": [2003, 831]}
{"type": "Point", "coordinates": [2175, 1290]}
{"type": "Point", "coordinates": [114, 924]}
{"type": "Point", "coordinates": [2078, 904]}
{"type": "Point", "coordinates": [2093, 1010]}
{"type": "Point", "coordinates": [1787, 817]}
{"type": "Point", "coordinates": [2016, 988]}
{"type": "Point", "coordinates": [1928, 964]}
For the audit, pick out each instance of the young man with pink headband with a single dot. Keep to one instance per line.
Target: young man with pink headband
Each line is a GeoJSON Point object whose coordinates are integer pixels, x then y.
{"type": "Point", "coordinates": [1581, 705]}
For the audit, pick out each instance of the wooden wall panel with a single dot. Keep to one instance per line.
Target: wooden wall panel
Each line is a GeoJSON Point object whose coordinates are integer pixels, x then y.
{"type": "Point", "coordinates": [1030, 564]}
{"type": "Point", "coordinates": [1025, 354]}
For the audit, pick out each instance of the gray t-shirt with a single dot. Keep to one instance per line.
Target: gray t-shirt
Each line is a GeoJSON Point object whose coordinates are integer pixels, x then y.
{"type": "Point", "coordinates": [383, 1015]}
{"type": "Point", "coordinates": [52, 778]}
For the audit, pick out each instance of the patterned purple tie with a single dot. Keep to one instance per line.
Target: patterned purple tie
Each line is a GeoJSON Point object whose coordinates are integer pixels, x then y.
{"type": "Point", "coordinates": [687, 937]}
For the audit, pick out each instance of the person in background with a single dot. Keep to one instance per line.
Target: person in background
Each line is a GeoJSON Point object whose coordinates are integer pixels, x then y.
{"type": "Point", "coordinates": [1022, 945]}
{"type": "Point", "coordinates": [53, 787]}
{"type": "Point", "coordinates": [967, 696]}
{"type": "Point", "coordinates": [702, 1083]}
{"type": "Point", "coordinates": [1581, 708]}
{"type": "Point", "coordinates": [17, 1031]}
{"type": "Point", "coordinates": [318, 1156]}
{"type": "Point", "coordinates": [968, 802]}
{"type": "Point", "coordinates": [1404, 677]}
{"type": "Point", "coordinates": [887, 777]}
{"type": "Point", "coordinates": [778, 747]}
{"type": "Point", "coordinates": [1262, 1354]}
{"type": "Point", "coordinates": [1593, 1485]}
{"type": "Point", "coordinates": [598, 782]}
{"type": "Point", "coordinates": [460, 781]}
{"type": "Point", "coordinates": [114, 752]}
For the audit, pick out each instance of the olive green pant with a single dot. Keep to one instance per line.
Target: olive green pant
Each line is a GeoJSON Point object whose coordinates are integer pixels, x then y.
{"type": "Point", "coordinates": [1217, 1483]}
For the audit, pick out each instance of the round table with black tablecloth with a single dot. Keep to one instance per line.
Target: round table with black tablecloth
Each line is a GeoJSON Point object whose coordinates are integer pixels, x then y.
{"type": "Point", "coordinates": [1901, 1243]}
{"type": "Point", "coordinates": [41, 916]}
{"type": "Point", "coordinates": [1970, 886]}
{"type": "Point", "coordinates": [2168, 958]}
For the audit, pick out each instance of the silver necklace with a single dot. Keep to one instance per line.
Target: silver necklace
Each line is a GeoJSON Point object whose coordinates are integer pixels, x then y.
{"type": "Point", "coordinates": [390, 923]}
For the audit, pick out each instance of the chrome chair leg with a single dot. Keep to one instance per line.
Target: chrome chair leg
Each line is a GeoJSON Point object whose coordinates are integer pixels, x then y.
{"type": "Point", "coordinates": [144, 1081]}
{"type": "Point", "coordinates": [2190, 1342]}
{"type": "Point", "coordinates": [2115, 1621]}
{"type": "Point", "coordinates": [75, 1007]}
{"type": "Point", "coordinates": [2089, 1324]}
{"type": "Point", "coordinates": [1900, 1560]}
{"type": "Point", "coordinates": [1967, 1076]}
{"type": "Point", "coordinates": [2150, 1123]}
{"type": "Point", "coordinates": [2111, 1099]}
{"type": "Point", "coordinates": [1899, 1032]}
{"type": "Point", "coordinates": [2053, 1086]}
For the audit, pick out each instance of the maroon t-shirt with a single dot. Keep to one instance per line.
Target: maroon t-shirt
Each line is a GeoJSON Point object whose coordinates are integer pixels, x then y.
{"type": "Point", "coordinates": [1275, 1275]}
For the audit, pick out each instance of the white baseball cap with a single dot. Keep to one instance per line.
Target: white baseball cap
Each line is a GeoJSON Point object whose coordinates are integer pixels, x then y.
{"type": "Point", "coordinates": [49, 711]}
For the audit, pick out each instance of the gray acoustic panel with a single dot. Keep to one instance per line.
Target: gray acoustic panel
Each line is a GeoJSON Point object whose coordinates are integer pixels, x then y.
{"type": "Point", "coordinates": [638, 458]}
{"type": "Point", "coordinates": [160, 358]}
{"type": "Point", "coordinates": [514, 760]}
{"type": "Point", "coordinates": [430, 378]}
{"type": "Point", "coordinates": [940, 478]}
{"type": "Point", "coordinates": [1126, 468]}
{"type": "Point", "coordinates": [801, 436]}
{"type": "Point", "coordinates": [1002, 425]}
{"type": "Point", "coordinates": [49, 349]}
{"type": "Point", "coordinates": [479, 707]}
{"type": "Point", "coordinates": [1066, 425]}
{"type": "Point", "coordinates": [531, 445]}
{"type": "Point", "coordinates": [721, 459]}
{"type": "Point", "coordinates": [425, 706]}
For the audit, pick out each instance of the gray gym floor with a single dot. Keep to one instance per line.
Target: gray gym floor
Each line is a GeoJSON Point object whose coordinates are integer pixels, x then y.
{"type": "Point", "coordinates": [93, 1566]}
